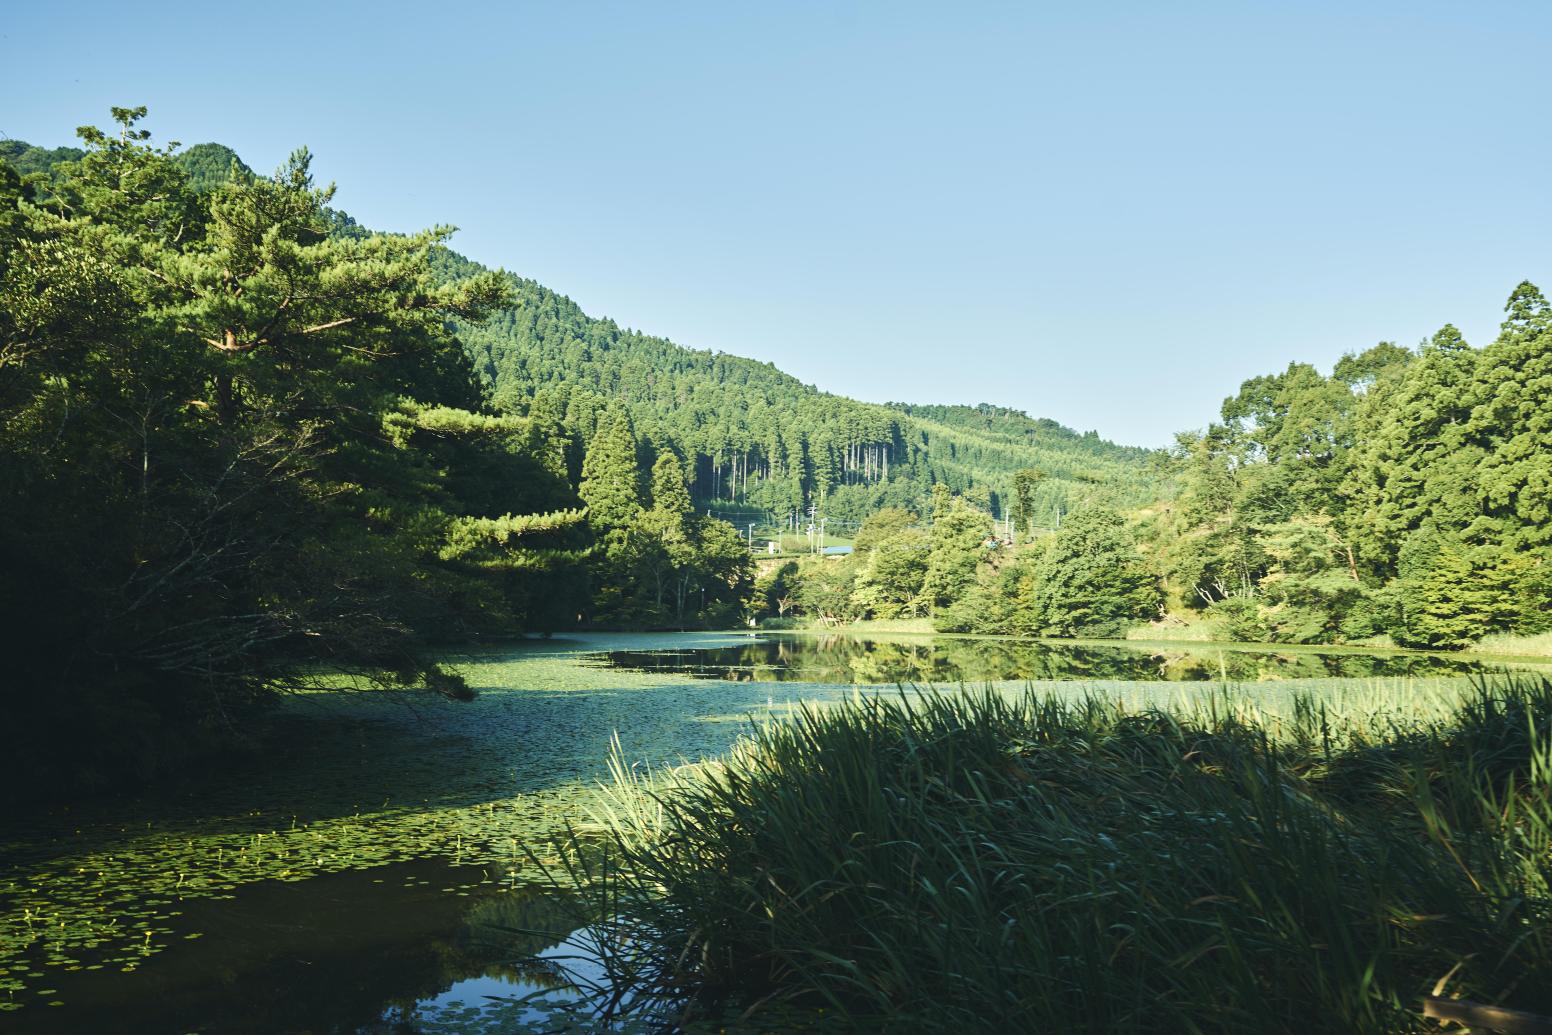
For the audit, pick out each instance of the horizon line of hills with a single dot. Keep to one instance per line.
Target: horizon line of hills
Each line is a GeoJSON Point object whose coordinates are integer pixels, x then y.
{"type": "Point", "coordinates": [758, 443]}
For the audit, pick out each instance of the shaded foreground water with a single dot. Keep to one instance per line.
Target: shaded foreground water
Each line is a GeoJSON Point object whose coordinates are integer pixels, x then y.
{"type": "Point", "coordinates": [371, 870]}
{"type": "Point", "coordinates": [333, 882]}
{"type": "Point", "coordinates": [363, 950]}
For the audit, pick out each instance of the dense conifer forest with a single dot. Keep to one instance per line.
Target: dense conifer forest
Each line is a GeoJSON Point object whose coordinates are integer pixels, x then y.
{"type": "Point", "coordinates": [753, 436]}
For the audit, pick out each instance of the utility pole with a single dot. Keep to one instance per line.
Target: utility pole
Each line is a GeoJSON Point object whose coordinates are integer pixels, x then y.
{"type": "Point", "coordinates": [821, 533]}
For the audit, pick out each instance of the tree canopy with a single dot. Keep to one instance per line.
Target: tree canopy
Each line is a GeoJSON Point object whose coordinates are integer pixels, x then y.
{"type": "Point", "coordinates": [1408, 494]}
{"type": "Point", "coordinates": [240, 449]}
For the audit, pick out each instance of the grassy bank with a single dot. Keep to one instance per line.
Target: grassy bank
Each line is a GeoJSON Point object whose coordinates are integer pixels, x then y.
{"type": "Point", "coordinates": [871, 626]}
{"type": "Point", "coordinates": [1195, 631]}
{"type": "Point", "coordinates": [1176, 629]}
{"type": "Point", "coordinates": [1537, 646]}
{"type": "Point", "coordinates": [988, 862]}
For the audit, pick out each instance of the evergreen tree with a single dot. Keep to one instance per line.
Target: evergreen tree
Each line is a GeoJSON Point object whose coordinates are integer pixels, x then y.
{"type": "Point", "coordinates": [1024, 483]}
{"type": "Point", "coordinates": [611, 479]}
{"type": "Point", "coordinates": [1511, 426]}
{"type": "Point", "coordinates": [670, 494]}
{"type": "Point", "coordinates": [1450, 595]}
{"type": "Point", "coordinates": [665, 550]}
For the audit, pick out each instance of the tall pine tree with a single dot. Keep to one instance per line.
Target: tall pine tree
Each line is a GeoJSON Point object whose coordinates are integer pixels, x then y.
{"type": "Point", "coordinates": [611, 481]}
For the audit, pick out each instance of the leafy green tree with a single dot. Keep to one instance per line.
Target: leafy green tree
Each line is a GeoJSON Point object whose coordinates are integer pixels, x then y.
{"type": "Point", "coordinates": [1309, 590]}
{"type": "Point", "coordinates": [826, 588]}
{"type": "Point", "coordinates": [1362, 371]}
{"type": "Point", "coordinates": [1092, 582]}
{"type": "Point", "coordinates": [776, 591]}
{"type": "Point", "coordinates": [881, 525]}
{"type": "Point", "coordinates": [1005, 598]}
{"type": "Point", "coordinates": [724, 574]}
{"type": "Point", "coordinates": [239, 449]}
{"type": "Point", "coordinates": [958, 532]}
{"type": "Point", "coordinates": [1239, 618]}
{"type": "Point", "coordinates": [1450, 595]}
{"type": "Point", "coordinates": [1299, 421]}
{"type": "Point", "coordinates": [891, 576]}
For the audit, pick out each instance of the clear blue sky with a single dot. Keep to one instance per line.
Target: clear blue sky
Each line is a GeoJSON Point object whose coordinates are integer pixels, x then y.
{"type": "Point", "coordinates": [1106, 214]}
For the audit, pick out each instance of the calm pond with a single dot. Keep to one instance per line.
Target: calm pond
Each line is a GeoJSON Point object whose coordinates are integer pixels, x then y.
{"type": "Point", "coordinates": [369, 868]}
{"type": "Point", "coordinates": [840, 658]}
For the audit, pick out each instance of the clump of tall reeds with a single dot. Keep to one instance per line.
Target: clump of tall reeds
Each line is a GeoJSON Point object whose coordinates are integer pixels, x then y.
{"type": "Point", "coordinates": [978, 862]}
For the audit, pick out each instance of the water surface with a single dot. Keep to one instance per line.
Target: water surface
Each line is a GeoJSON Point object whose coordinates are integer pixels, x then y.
{"type": "Point", "coordinates": [370, 867]}
{"type": "Point", "coordinates": [339, 878]}
{"type": "Point", "coordinates": [841, 658]}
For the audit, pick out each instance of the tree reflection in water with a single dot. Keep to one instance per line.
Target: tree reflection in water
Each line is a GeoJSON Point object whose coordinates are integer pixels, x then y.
{"type": "Point", "coordinates": [840, 658]}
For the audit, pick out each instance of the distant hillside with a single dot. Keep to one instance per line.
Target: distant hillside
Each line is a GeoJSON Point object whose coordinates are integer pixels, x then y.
{"type": "Point", "coordinates": [210, 165]}
{"type": "Point", "coordinates": [1012, 434]}
{"type": "Point", "coordinates": [759, 437]}
{"type": "Point", "coordinates": [207, 164]}
{"type": "Point", "coordinates": [756, 441]}
{"type": "Point", "coordinates": [26, 158]}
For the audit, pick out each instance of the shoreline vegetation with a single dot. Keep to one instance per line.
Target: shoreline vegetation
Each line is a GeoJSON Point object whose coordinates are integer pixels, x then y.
{"type": "Point", "coordinates": [1506, 646]}
{"type": "Point", "coordinates": [248, 440]}
{"type": "Point", "coordinates": [1021, 862]}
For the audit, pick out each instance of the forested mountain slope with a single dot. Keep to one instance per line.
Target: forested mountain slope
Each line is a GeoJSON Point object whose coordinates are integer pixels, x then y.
{"type": "Point", "coordinates": [754, 435]}
{"type": "Point", "coordinates": [749, 434]}
{"type": "Point", "coordinates": [995, 437]}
